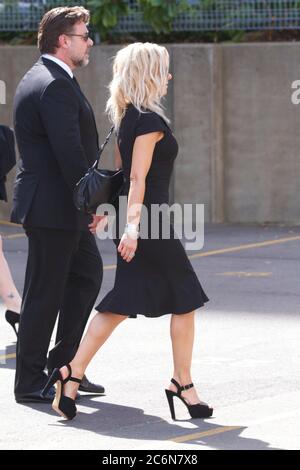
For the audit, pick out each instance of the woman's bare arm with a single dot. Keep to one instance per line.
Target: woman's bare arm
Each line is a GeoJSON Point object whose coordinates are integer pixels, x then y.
{"type": "Point", "coordinates": [141, 161]}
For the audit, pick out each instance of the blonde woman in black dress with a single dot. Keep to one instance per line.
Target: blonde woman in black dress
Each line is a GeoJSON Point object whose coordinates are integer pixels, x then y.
{"type": "Point", "coordinates": [154, 276]}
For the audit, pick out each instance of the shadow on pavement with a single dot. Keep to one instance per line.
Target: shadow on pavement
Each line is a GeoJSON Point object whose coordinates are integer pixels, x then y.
{"type": "Point", "coordinates": [131, 423]}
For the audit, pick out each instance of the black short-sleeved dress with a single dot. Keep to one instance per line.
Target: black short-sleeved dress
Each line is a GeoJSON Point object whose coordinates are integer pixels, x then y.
{"type": "Point", "coordinates": [160, 279]}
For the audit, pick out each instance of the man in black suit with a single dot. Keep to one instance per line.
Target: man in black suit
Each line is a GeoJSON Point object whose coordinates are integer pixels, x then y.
{"type": "Point", "coordinates": [58, 141]}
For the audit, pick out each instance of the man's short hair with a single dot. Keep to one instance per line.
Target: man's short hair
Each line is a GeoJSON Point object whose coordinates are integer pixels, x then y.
{"type": "Point", "coordinates": [56, 22]}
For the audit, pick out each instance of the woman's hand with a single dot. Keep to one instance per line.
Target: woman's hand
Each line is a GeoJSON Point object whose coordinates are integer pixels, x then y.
{"type": "Point", "coordinates": [127, 247]}
{"type": "Point", "coordinates": [96, 220]}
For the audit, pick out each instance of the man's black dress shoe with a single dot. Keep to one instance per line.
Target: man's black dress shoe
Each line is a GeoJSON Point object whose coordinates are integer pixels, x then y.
{"type": "Point", "coordinates": [87, 386]}
{"type": "Point", "coordinates": [36, 397]}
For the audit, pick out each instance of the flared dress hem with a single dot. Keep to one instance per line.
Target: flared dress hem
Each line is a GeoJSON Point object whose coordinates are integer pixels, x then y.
{"type": "Point", "coordinates": [170, 311]}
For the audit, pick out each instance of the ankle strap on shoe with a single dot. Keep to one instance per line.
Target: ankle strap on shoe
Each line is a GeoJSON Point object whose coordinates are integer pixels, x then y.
{"type": "Point", "coordinates": [181, 388]}
{"type": "Point", "coordinates": [72, 379]}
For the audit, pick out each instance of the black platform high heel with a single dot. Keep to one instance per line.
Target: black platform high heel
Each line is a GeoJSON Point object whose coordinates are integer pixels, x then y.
{"type": "Point", "coordinates": [12, 318]}
{"type": "Point", "coordinates": [199, 410]}
{"type": "Point", "coordinates": [63, 405]}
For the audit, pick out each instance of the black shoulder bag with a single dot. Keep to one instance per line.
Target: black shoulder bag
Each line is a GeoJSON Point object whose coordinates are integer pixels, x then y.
{"type": "Point", "coordinates": [98, 186]}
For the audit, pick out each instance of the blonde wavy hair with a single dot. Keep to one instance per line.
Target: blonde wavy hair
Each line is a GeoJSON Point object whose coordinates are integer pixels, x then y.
{"type": "Point", "coordinates": [140, 74]}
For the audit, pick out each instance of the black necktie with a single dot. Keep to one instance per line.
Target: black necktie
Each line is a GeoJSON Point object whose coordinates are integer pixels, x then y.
{"type": "Point", "coordinates": [75, 81]}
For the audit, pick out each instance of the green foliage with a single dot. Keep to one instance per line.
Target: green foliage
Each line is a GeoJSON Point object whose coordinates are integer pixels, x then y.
{"type": "Point", "coordinates": [157, 13]}
{"type": "Point", "coordinates": [160, 15]}
{"type": "Point", "coordinates": [105, 14]}
{"type": "Point", "coordinates": [22, 38]}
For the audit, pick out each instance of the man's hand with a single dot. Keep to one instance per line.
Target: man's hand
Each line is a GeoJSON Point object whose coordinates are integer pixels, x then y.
{"type": "Point", "coordinates": [96, 220]}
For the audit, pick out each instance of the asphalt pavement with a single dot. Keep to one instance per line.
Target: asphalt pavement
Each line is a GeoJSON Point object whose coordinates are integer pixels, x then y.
{"type": "Point", "coordinates": [246, 357]}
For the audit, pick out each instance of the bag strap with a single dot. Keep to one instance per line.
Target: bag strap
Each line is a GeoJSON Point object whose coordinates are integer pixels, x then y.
{"type": "Point", "coordinates": [102, 146]}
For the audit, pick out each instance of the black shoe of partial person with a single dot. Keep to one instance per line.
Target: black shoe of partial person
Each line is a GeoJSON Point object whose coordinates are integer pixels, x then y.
{"type": "Point", "coordinates": [36, 397]}
{"type": "Point", "coordinates": [89, 387]}
{"type": "Point", "coordinates": [13, 318]}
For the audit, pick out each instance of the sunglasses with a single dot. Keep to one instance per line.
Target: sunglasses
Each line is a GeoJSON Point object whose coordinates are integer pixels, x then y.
{"type": "Point", "coordinates": [85, 37]}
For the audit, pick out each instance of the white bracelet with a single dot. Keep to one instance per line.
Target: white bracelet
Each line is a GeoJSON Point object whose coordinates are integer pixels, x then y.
{"type": "Point", "coordinates": [132, 231]}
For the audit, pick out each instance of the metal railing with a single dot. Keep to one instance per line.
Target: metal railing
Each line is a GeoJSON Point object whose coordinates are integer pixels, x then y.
{"type": "Point", "coordinates": [204, 15]}
{"type": "Point", "coordinates": [222, 15]}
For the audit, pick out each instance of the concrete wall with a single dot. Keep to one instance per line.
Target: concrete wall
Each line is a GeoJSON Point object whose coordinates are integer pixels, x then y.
{"type": "Point", "coordinates": [238, 131]}
{"type": "Point", "coordinates": [261, 133]}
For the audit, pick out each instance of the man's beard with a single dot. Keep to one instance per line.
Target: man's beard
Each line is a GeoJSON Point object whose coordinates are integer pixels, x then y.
{"type": "Point", "coordinates": [81, 62]}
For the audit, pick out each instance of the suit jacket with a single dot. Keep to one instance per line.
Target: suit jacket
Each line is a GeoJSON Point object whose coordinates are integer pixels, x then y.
{"type": "Point", "coordinates": [7, 157]}
{"type": "Point", "coordinates": [58, 141]}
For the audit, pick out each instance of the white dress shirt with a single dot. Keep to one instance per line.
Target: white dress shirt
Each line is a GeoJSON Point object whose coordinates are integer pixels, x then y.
{"type": "Point", "coordinates": [60, 63]}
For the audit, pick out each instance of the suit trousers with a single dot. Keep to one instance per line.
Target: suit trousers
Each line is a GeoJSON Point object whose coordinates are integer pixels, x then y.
{"type": "Point", "coordinates": [63, 275]}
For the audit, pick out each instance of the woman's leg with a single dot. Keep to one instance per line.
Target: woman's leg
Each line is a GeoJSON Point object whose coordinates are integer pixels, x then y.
{"type": "Point", "coordinates": [182, 336]}
{"type": "Point", "coordinates": [8, 290]}
{"type": "Point", "coordinates": [98, 332]}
